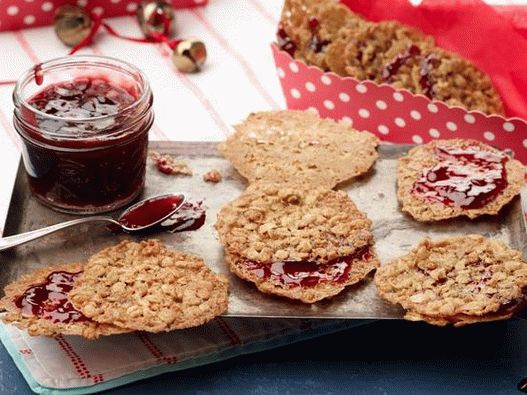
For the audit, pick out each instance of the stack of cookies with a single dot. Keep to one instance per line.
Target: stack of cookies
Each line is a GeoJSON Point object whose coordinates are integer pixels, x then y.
{"type": "Point", "coordinates": [327, 34]}
{"type": "Point", "coordinates": [289, 232]}
{"type": "Point", "coordinates": [127, 287]}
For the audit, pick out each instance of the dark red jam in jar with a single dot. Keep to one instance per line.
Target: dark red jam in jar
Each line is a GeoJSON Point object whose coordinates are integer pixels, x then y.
{"type": "Point", "coordinates": [465, 177]}
{"type": "Point", "coordinates": [85, 132]}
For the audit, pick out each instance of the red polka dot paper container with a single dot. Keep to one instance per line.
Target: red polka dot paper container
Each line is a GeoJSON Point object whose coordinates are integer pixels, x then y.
{"type": "Point", "coordinates": [20, 14]}
{"type": "Point", "coordinates": [400, 116]}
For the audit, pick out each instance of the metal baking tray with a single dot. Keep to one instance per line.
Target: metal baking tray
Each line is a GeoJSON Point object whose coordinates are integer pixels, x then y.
{"type": "Point", "coordinates": [375, 193]}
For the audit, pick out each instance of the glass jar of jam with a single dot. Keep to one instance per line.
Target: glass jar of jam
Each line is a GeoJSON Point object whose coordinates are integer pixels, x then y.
{"type": "Point", "coordinates": [84, 123]}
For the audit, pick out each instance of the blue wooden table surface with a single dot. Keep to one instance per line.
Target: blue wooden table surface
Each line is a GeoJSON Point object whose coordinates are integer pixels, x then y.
{"type": "Point", "coordinates": [380, 358]}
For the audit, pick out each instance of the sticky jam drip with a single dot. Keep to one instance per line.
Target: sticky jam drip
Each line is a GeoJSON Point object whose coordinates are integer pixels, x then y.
{"type": "Point", "coordinates": [191, 216]}
{"type": "Point", "coordinates": [468, 178]}
{"type": "Point", "coordinates": [307, 273]}
{"type": "Point", "coordinates": [284, 41]}
{"type": "Point", "coordinates": [49, 299]}
{"type": "Point", "coordinates": [316, 44]}
{"type": "Point", "coordinates": [390, 69]}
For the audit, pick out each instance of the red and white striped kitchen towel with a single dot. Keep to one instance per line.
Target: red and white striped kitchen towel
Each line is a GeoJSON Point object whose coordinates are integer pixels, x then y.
{"type": "Point", "coordinates": [73, 365]}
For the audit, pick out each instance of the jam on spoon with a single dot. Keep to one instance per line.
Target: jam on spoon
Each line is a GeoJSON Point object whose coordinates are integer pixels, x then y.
{"type": "Point", "coordinates": [467, 177]}
{"type": "Point", "coordinates": [169, 212]}
{"type": "Point", "coordinates": [49, 299]}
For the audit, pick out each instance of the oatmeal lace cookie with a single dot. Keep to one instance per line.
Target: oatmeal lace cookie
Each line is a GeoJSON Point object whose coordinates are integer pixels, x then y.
{"type": "Point", "coordinates": [300, 147]}
{"type": "Point", "coordinates": [460, 177]}
{"type": "Point", "coordinates": [145, 286]}
{"type": "Point", "coordinates": [308, 282]}
{"type": "Point", "coordinates": [308, 27]}
{"type": "Point", "coordinates": [381, 52]}
{"type": "Point", "coordinates": [459, 280]}
{"type": "Point", "coordinates": [29, 305]}
{"type": "Point", "coordinates": [269, 223]}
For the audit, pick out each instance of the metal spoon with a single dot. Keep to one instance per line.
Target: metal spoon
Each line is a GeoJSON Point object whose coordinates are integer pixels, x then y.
{"type": "Point", "coordinates": [15, 240]}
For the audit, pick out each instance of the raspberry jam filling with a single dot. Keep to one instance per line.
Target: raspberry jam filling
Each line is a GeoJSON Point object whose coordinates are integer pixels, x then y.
{"type": "Point", "coordinates": [468, 177]}
{"type": "Point", "coordinates": [428, 63]}
{"type": "Point", "coordinates": [316, 44]}
{"type": "Point", "coordinates": [308, 274]}
{"type": "Point", "coordinates": [399, 61]}
{"type": "Point", "coordinates": [49, 299]}
{"type": "Point", "coordinates": [284, 42]}
{"type": "Point", "coordinates": [190, 216]}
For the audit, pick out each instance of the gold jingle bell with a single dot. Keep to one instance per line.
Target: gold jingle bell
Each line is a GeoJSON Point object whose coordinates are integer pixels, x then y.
{"type": "Point", "coordinates": [156, 17]}
{"type": "Point", "coordinates": [189, 55]}
{"type": "Point", "coordinates": [72, 24]}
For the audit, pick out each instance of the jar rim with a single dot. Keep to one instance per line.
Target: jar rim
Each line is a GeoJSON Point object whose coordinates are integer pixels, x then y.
{"type": "Point", "coordinates": [71, 60]}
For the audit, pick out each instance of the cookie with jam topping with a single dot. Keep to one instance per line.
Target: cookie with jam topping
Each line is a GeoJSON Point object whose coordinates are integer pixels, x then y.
{"type": "Point", "coordinates": [145, 286]}
{"type": "Point", "coordinates": [299, 147]}
{"type": "Point", "coordinates": [459, 177]}
{"type": "Point", "coordinates": [305, 243]}
{"type": "Point", "coordinates": [308, 27]}
{"type": "Point", "coordinates": [39, 302]}
{"type": "Point", "coordinates": [459, 280]}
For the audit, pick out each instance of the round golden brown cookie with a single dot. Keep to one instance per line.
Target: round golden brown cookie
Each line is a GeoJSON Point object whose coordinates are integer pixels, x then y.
{"type": "Point", "coordinates": [366, 53]}
{"type": "Point", "coordinates": [145, 286]}
{"type": "Point", "coordinates": [305, 281]}
{"type": "Point", "coordinates": [459, 280]}
{"type": "Point", "coordinates": [269, 223]}
{"type": "Point", "coordinates": [300, 147]}
{"type": "Point", "coordinates": [436, 182]}
{"type": "Point", "coordinates": [311, 26]}
{"type": "Point", "coordinates": [455, 81]}
{"type": "Point", "coordinates": [69, 322]}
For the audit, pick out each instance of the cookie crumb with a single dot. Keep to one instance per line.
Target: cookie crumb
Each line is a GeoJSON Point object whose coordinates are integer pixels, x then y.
{"type": "Point", "coordinates": [212, 176]}
{"type": "Point", "coordinates": [167, 164]}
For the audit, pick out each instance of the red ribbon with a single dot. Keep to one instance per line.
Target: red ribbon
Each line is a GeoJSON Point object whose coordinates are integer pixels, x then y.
{"type": "Point", "coordinates": [98, 22]}
{"type": "Point", "coordinates": [154, 37]}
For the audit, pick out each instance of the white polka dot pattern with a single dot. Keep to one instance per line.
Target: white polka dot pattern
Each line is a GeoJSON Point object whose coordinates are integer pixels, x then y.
{"type": "Point", "coordinates": [400, 122]}
{"type": "Point", "coordinates": [415, 115]}
{"type": "Point", "coordinates": [363, 113]}
{"type": "Point", "coordinates": [417, 139]}
{"type": "Point", "coordinates": [488, 135]}
{"type": "Point", "coordinates": [395, 116]}
{"type": "Point", "coordinates": [434, 133]}
{"type": "Point", "coordinates": [451, 126]}
{"type": "Point", "coordinates": [295, 93]}
{"type": "Point", "coordinates": [347, 121]}
{"type": "Point", "coordinates": [344, 97]}
{"type": "Point", "coordinates": [361, 88]}
{"type": "Point", "coordinates": [381, 105]}
{"type": "Point", "coordinates": [398, 97]}
{"type": "Point", "coordinates": [310, 87]}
